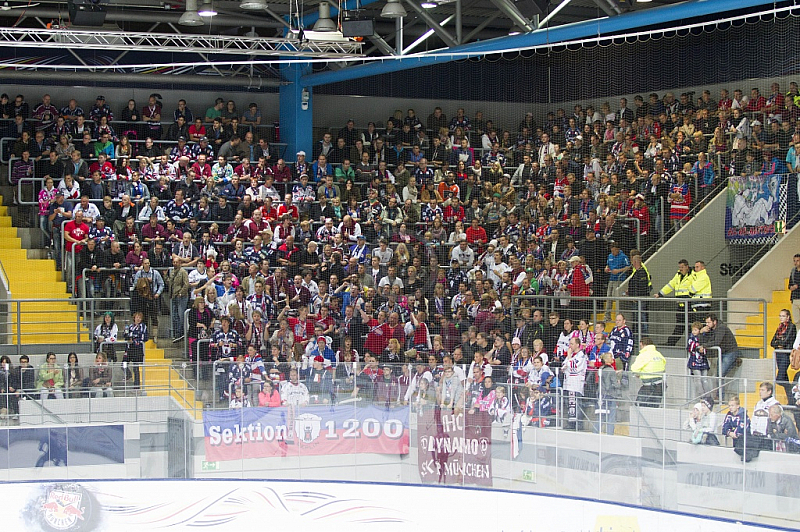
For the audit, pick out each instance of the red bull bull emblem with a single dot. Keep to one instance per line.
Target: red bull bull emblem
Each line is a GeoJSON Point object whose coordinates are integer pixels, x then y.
{"type": "Point", "coordinates": [62, 509]}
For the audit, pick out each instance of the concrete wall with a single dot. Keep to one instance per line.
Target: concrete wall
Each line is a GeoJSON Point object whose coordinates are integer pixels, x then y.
{"type": "Point", "coordinates": [768, 274]}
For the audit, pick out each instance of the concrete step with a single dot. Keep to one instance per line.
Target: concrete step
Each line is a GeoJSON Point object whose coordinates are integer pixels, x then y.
{"type": "Point", "coordinates": [37, 288]}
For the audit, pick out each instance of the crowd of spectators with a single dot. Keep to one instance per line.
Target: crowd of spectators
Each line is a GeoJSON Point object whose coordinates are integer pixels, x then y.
{"type": "Point", "coordinates": [402, 242]}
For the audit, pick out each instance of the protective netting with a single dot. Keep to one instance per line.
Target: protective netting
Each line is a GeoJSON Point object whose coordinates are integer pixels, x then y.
{"type": "Point", "coordinates": [657, 61]}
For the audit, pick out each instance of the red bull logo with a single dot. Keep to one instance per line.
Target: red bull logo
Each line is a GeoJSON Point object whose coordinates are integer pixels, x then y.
{"type": "Point", "coordinates": [62, 509]}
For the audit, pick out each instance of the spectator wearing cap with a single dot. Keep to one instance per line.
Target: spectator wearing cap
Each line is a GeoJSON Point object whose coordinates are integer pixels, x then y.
{"type": "Point", "coordinates": [101, 108]}
{"type": "Point", "coordinates": [318, 381]}
{"type": "Point", "coordinates": [360, 250]}
{"type": "Point", "coordinates": [181, 152]}
{"type": "Point", "coordinates": [323, 349]}
{"type": "Point", "coordinates": [301, 165]}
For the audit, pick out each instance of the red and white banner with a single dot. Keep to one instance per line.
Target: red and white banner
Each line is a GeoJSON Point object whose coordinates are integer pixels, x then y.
{"type": "Point", "coordinates": [268, 432]}
{"type": "Point", "coordinates": [455, 449]}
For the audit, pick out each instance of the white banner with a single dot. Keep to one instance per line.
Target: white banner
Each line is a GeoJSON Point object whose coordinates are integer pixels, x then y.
{"type": "Point", "coordinates": [238, 505]}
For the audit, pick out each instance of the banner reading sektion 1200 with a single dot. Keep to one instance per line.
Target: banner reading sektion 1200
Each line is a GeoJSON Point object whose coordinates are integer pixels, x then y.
{"type": "Point", "coordinates": [268, 432]}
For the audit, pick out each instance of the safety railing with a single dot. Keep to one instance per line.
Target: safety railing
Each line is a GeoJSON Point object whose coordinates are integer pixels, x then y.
{"type": "Point", "coordinates": [666, 320]}
{"type": "Point", "coordinates": [28, 324]}
{"type": "Point", "coordinates": [85, 392]}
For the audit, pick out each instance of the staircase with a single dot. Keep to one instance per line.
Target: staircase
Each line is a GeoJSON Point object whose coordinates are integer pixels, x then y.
{"type": "Point", "coordinates": [162, 379]}
{"type": "Point", "coordinates": [57, 322]}
{"type": "Point", "coordinates": [749, 336]}
{"type": "Point", "coordinates": [31, 278]}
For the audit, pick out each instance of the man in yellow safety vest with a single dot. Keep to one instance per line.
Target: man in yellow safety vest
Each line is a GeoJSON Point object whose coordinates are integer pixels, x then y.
{"type": "Point", "coordinates": [680, 285]}
{"type": "Point", "coordinates": [700, 292]}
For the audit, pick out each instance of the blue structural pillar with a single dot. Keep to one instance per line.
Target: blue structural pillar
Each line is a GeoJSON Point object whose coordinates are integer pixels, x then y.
{"type": "Point", "coordinates": [296, 109]}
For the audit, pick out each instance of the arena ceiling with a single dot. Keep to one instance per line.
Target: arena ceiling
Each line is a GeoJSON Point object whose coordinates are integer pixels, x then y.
{"type": "Point", "coordinates": [40, 35]}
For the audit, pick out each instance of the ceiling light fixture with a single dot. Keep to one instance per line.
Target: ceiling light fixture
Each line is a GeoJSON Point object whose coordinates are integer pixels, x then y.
{"type": "Point", "coordinates": [393, 9]}
{"type": "Point", "coordinates": [207, 10]}
{"type": "Point", "coordinates": [324, 23]}
{"type": "Point", "coordinates": [428, 5]}
{"type": "Point", "coordinates": [253, 5]}
{"type": "Point", "coordinates": [190, 16]}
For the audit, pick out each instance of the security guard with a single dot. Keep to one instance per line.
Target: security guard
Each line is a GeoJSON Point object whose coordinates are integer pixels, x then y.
{"type": "Point", "coordinates": [700, 292]}
{"type": "Point", "coordinates": [639, 286]}
{"type": "Point", "coordinates": [649, 366]}
{"type": "Point", "coordinates": [680, 285]}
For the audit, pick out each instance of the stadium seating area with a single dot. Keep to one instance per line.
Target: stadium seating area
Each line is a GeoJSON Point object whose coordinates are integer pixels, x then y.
{"type": "Point", "coordinates": [414, 239]}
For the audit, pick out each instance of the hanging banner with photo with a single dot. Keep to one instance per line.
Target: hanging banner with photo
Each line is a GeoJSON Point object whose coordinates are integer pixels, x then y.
{"type": "Point", "coordinates": [753, 208]}
{"type": "Point", "coordinates": [454, 448]}
{"type": "Point", "coordinates": [268, 432]}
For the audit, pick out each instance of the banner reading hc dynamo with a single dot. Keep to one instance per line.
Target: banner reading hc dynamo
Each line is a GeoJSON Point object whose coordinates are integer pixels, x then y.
{"type": "Point", "coordinates": [268, 432]}
{"type": "Point", "coordinates": [454, 448]}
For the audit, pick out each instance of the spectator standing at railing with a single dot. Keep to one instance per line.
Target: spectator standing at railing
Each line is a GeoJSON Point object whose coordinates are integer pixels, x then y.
{"type": "Point", "coordinates": [90, 258]}
{"type": "Point", "coordinates": [25, 378]}
{"type": "Point", "coordinates": [794, 287]}
{"type": "Point", "coordinates": [22, 144]}
{"type": "Point", "coordinates": [621, 342]}
{"type": "Point", "coordinates": [47, 197]}
{"type": "Point", "coordinates": [76, 233]}
{"type": "Point", "coordinates": [178, 281]}
{"type": "Point", "coordinates": [22, 168]}
{"type": "Point", "coordinates": [102, 234]}
{"type": "Point", "coordinates": [617, 266]}
{"type": "Point", "coordinates": [151, 114]}
{"type": "Point", "coordinates": [784, 338]}
{"type": "Point", "coordinates": [716, 334]}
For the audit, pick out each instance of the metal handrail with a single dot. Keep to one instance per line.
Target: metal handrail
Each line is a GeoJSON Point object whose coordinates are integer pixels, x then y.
{"type": "Point", "coordinates": [552, 302]}
{"type": "Point", "coordinates": [5, 282]}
